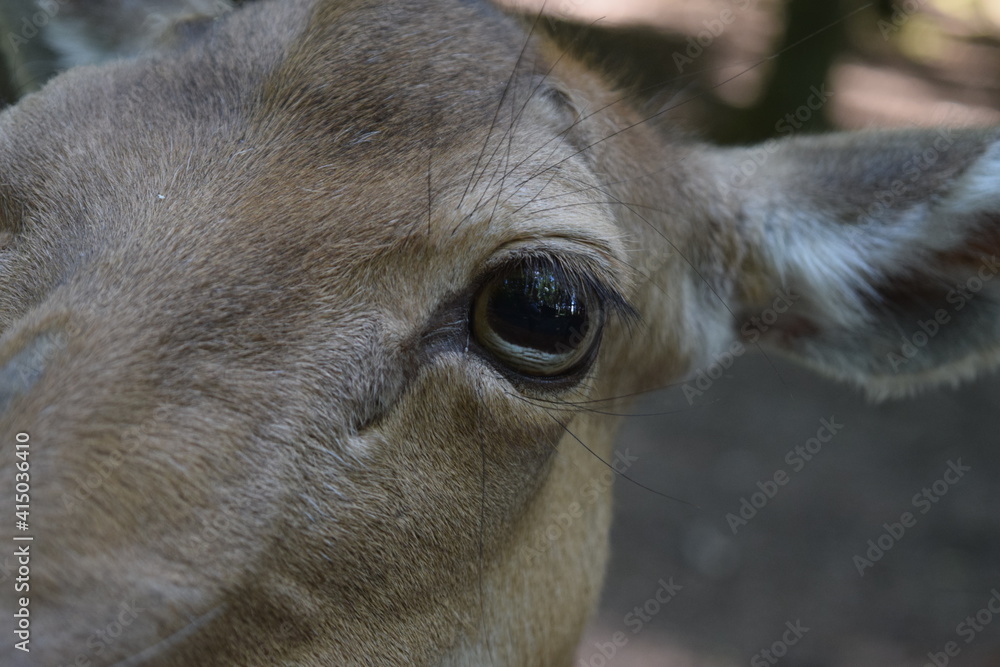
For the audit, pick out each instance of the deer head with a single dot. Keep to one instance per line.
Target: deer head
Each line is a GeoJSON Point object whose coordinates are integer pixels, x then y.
{"type": "Point", "coordinates": [303, 311]}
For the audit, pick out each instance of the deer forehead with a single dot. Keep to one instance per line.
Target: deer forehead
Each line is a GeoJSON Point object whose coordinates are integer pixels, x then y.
{"type": "Point", "coordinates": [365, 147]}
{"type": "Point", "coordinates": [327, 231]}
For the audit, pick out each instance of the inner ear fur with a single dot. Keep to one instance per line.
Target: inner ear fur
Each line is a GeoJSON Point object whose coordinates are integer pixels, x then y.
{"type": "Point", "coordinates": [889, 243]}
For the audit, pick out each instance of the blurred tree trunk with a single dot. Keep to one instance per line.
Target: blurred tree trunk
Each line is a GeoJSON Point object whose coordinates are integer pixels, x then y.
{"type": "Point", "coordinates": [814, 35]}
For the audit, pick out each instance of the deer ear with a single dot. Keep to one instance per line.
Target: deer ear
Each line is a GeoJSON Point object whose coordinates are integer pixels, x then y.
{"type": "Point", "coordinates": [44, 37]}
{"type": "Point", "coordinates": [887, 247]}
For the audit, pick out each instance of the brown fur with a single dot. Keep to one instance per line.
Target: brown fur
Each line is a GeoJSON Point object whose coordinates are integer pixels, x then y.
{"type": "Point", "coordinates": [250, 260]}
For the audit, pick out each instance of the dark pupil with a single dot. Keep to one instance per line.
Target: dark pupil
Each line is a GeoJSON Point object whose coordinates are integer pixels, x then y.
{"type": "Point", "coordinates": [537, 309]}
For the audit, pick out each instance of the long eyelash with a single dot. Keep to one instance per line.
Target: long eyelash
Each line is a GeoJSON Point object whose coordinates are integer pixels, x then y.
{"type": "Point", "coordinates": [704, 280]}
{"type": "Point", "coordinates": [515, 119]}
{"type": "Point", "coordinates": [611, 299]}
{"type": "Point", "coordinates": [632, 207]}
{"type": "Point", "coordinates": [570, 406]}
{"type": "Point", "coordinates": [606, 463]}
{"type": "Point", "coordinates": [670, 108]}
{"type": "Point", "coordinates": [482, 441]}
{"type": "Point", "coordinates": [621, 474]}
{"type": "Point", "coordinates": [503, 97]}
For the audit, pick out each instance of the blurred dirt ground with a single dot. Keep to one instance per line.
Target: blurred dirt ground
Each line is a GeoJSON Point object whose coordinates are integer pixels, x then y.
{"type": "Point", "coordinates": [793, 564]}
{"type": "Point", "coordinates": [794, 561]}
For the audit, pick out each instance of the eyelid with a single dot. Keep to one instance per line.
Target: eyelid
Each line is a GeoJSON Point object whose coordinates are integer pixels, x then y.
{"type": "Point", "coordinates": [584, 267]}
{"type": "Point", "coordinates": [573, 267]}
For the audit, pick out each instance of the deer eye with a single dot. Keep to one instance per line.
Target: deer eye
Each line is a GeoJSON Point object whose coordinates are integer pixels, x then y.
{"type": "Point", "coordinates": [537, 320]}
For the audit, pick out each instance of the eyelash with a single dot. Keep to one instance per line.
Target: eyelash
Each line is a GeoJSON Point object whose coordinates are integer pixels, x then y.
{"type": "Point", "coordinates": [527, 366]}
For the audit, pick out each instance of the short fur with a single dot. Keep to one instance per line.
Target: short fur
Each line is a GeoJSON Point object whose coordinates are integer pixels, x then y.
{"type": "Point", "coordinates": [235, 293]}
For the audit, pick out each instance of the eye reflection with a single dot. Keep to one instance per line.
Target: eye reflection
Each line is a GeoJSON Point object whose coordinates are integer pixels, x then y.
{"type": "Point", "coordinates": [537, 320]}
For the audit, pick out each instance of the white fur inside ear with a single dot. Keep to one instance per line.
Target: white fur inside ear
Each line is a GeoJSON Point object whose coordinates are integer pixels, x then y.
{"type": "Point", "coordinates": [813, 256]}
{"type": "Point", "coordinates": [873, 265]}
{"type": "Point", "coordinates": [841, 264]}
